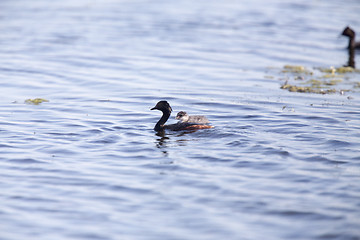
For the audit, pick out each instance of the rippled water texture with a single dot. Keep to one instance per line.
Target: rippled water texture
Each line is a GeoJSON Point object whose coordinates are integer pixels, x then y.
{"type": "Point", "coordinates": [88, 165]}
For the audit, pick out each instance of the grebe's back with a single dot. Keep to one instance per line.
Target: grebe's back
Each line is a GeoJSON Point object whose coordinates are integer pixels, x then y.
{"type": "Point", "coordinates": [184, 117]}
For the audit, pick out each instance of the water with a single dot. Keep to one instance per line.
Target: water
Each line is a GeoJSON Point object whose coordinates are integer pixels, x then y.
{"type": "Point", "coordinates": [87, 164]}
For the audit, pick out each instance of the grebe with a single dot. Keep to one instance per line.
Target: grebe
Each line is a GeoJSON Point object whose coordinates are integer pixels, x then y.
{"type": "Point", "coordinates": [351, 34]}
{"type": "Point", "coordinates": [184, 117]}
{"type": "Point", "coordinates": [165, 108]}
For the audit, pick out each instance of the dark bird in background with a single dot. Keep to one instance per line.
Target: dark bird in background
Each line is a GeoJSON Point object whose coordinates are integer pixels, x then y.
{"type": "Point", "coordinates": [348, 32]}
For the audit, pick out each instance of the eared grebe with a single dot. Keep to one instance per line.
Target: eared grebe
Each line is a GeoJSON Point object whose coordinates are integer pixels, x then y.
{"type": "Point", "coordinates": [184, 117]}
{"type": "Point", "coordinates": [165, 108]}
{"type": "Point", "coordinates": [351, 34]}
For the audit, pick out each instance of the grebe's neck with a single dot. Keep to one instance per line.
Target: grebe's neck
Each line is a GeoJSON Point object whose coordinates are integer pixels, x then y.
{"type": "Point", "coordinates": [351, 42]}
{"type": "Point", "coordinates": [351, 39]}
{"type": "Point", "coordinates": [160, 124]}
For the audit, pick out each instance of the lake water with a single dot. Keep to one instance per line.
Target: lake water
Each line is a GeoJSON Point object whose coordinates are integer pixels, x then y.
{"type": "Point", "coordinates": [88, 165]}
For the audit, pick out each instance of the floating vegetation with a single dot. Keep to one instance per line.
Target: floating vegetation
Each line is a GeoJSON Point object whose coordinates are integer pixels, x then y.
{"type": "Point", "coordinates": [338, 70]}
{"type": "Point", "coordinates": [294, 88]}
{"type": "Point", "coordinates": [318, 80]}
{"type": "Point", "coordinates": [296, 69]}
{"type": "Point", "coordinates": [333, 82]}
{"type": "Point", "coordinates": [36, 101]}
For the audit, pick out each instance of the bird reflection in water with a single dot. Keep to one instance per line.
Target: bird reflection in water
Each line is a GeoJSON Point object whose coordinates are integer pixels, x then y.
{"type": "Point", "coordinates": [164, 139]}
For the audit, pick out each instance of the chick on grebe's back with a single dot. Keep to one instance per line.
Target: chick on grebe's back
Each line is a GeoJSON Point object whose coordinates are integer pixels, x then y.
{"type": "Point", "coordinates": [166, 110]}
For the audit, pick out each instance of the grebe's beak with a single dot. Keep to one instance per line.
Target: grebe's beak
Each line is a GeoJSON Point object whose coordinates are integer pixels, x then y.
{"type": "Point", "coordinates": [154, 108]}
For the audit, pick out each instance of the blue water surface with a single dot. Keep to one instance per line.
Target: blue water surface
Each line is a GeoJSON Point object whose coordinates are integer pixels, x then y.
{"type": "Point", "coordinates": [88, 165]}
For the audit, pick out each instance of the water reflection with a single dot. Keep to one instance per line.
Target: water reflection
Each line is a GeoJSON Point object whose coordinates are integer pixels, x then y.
{"type": "Point", "coordinates": [164, 140]}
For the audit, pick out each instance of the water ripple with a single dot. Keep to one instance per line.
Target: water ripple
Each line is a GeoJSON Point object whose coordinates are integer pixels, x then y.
{"type": "Point", "coordinates": [87, 164]}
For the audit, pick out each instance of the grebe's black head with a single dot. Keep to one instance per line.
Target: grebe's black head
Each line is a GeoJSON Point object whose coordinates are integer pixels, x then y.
{"type": "Point", "coordinates": [163, 106]}
{"type": "Point", "coordinates": [180, 115]}
{"type": "Point", "coordinates": [348, 32]}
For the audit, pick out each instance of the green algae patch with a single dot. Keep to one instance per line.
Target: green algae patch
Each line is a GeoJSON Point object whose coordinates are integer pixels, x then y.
{"type": "Point", "coordinates": [36, 101]}
{"type": "Point", "coordinates": [296, 69]}
{"type": "Point", "coordinates": [333, 82]}
{"type": "Point", "coordinates": [318, 80]}
{"type": "Point", "coordinates": [340, 70]}
{"type": "Point", "coordinates": [294, 88]}
{"type": "Point", "coordinates": [347, 70]}
{"type": "Point", "coordinates": [315, 83]}
{"type": "Point", "coordinates": [330, 76]}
